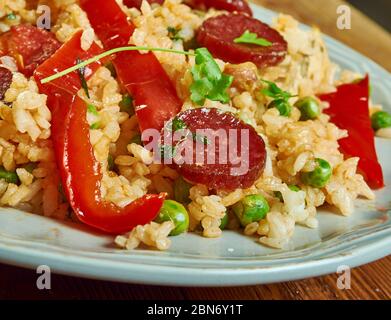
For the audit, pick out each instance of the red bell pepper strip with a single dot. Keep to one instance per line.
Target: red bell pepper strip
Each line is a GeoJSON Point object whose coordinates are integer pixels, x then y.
{"type": "Point", "coordinates": [84, 181]}
{"type": "Point", "coordinates": [80, 171]}
{"type": "Point", "coordinates": [61, 91]}
{"type": "Point", "coordinates": [349, 110]}
{"type": "Point", "coordinates": [63, 59]}
{"type": "Point", "coordinates": [141, 74]}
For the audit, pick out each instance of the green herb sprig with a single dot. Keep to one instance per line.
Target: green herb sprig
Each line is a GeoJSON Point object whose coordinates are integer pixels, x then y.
{"type": "Point", "coordinates": [11, 16]}
{"type": "Point", "coordinates": [251, 38]}
{"type": "Point", "coordinates": [92, 109]}
{"type": "Point", "coordinates": [280, 98]}
{"type": "Point", "coordinates": [107, 54]}
{"type": "Point", "coordinates": [173, 33]}
{"type": "Point", "coordinates": [209, 82]}
{"type": "Point", "coordinates": [81, 72]}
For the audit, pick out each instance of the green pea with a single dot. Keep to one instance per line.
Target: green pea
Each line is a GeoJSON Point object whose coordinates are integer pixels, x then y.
{"type": "Point", "coordinates": [282, 106]}
{"type": "Point", "coordinates": [126, 104]}
{"type": "Point", "coordinates": [250, 209]}
{"type": "Point", "coordinates": [182, 190]}
{"type": "Point", "coordinates": [136, 139]}
{"type": "Point", "coordinates": [9, 176]}
{"type": "Point", "coordinates": [381, 119]}
{"type": "Point", "coordinates": [175, 212]}
{"type": "Point", "coordinates": [309, 108]}
{"type": "Point", "coordinates": [278, 194]}
{"type": "Point", "coordinates": [320, 176]}
{"type": "Point", "coordinates": [224, 222]}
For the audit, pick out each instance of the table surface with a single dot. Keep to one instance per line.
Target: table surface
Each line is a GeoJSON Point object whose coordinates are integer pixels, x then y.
{"type": "Point", "coordinates": [371, 281]}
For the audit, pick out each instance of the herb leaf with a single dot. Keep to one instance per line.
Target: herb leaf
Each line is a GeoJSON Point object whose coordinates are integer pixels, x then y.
{"type": "Point", "coordinates": [81, 72]}
{"type": "Point", "coordinates": [209, 81]}
{"type": "Point", "coordinates": [280, 98]}
{"type": "Point", "coordinates": [252, 38]}
{"type": "Point", "coordinates": [107, 54]}
{"type": "Point", "coordinates": [126, 104]}
{"type": "Point", "coordinates": [11, 16]}
{"type": "Point", "coordinates": [95, 126]}
{"type": "Point", "coordinates": [178, 124]}
{"type": "Point", "coordinates": [275, 92]}
{"type": "Point", "coordinates": [173, 33]}
{"type": "Point", "coordinates": [91, 109]}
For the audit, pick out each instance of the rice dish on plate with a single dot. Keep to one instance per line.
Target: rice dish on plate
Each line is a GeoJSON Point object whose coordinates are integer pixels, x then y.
{"type": "Point", "coordinates": [31, 177]}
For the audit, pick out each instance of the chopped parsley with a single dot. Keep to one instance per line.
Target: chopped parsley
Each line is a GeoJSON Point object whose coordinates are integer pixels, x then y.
{"type": "Point", "coordinates": [209, 82]}
{"type": "Point", "coordinates": [273, 91]}
{"type": "Point", "coordinates": [92, 109]}
{"type": "Point", "coordinates": [280, 98]}
{"type": "Point", "coordinates": [11, 16]}
{"type": "Point", "coordinates": [173, 33]}
{"type": "Point", "coordinates": [178, 124]}
{"type": "Point", "coordinates": [9, 176]}
{"type": "Point", "coordinates": [81, 72]}
{"type": "Point", "coordinates": [251, 38]}
{"type": "Point", "coordinates": [126, 104]}
{"type": "Point", "coordinates": [95, 126]}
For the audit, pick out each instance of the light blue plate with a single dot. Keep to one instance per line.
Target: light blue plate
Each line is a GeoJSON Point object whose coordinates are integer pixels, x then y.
{"type": "Point", "coordinates": [29, 240]}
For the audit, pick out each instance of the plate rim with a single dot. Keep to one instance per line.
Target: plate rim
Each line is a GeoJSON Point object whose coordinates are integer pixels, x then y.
{"type": "Point", "coordinates": [104, 269]}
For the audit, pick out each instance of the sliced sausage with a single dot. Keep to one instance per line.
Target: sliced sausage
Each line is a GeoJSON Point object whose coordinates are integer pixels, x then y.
{"type": "Point", "coordinates": [218, 35]}
{"type": "Point", "coordinates": [231, 155]}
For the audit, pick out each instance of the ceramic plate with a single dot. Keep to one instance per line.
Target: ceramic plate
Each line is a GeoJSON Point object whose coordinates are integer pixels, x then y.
{"type": "Point", "coordinates": [28, 240]}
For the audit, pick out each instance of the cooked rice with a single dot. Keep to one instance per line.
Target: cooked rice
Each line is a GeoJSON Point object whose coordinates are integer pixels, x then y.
{"type": "Point", "coordinates": [292, 145]}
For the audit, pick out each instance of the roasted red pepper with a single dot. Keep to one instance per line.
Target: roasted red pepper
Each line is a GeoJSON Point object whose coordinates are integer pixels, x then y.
{"type": "Point", "coordinates": [141, 74]}
{"type": "Point", "coordinates": [80, 171]}
{"type": "Point", "coordinates": [349, 109]}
